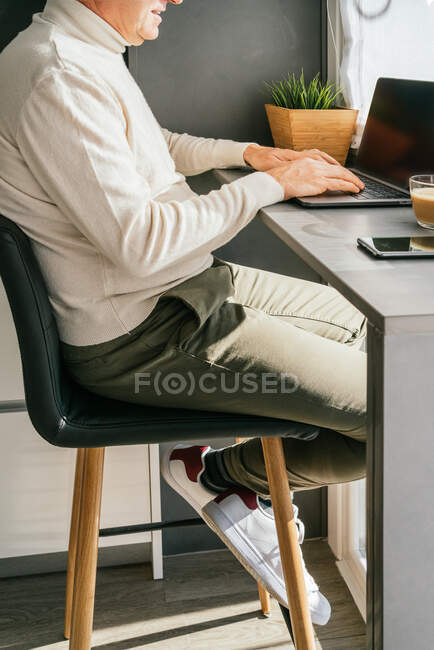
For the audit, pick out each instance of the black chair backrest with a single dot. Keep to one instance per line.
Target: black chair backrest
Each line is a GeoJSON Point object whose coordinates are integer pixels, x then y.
{"type": "Point", "coordinates": [62, 412]}
{"type": "Point", "coordinates": [47, 386]}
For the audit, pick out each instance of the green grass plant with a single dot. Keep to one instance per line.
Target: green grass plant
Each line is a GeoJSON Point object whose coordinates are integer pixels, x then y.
{"type": "Point", "coordinates": [294, 92]}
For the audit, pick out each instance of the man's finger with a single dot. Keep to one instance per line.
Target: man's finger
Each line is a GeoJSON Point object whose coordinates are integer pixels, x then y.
{"type": "Point", "coordinates": [338, 185]}
{"type": "Point", "coordinates": [329, 159]}
{"type": "Point", "coordinates": [345, 174]}
{"type": "Point", "coordinates": [285, 155]}
{"type": "Point", "coordinates": [316, 156]}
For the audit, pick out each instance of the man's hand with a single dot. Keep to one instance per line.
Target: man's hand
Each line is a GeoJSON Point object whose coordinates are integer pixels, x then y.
{"type": "Point", "coordinates": [307, 177]}
{"type": "Point", "coordinates": [263, 158]}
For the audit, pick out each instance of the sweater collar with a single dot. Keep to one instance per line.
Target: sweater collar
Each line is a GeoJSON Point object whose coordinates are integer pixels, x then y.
{"type": "Point", "coordinates": [82, 23]}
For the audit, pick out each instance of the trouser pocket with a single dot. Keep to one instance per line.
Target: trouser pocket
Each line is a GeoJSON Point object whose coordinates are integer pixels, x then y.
{"type": "Point", "coordinates": [203, 295]}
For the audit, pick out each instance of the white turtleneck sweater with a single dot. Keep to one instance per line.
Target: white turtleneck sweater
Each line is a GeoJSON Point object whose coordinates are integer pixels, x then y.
{"type": "Point", "coordinates": [99, 187]}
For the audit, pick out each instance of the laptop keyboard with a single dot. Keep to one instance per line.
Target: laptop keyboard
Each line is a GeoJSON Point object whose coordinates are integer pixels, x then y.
{"type": "Point", "coordinates": [374, 190]}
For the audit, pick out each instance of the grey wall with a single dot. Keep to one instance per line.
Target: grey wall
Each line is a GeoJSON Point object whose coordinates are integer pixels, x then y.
{"type": "Point", "coordinates": [204, 75]}
{"type": "Point", "coordinates": [16, 15]}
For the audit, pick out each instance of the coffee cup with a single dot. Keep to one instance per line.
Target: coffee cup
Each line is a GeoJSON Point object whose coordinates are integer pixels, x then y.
{"type": "Point", "coordinates": [422, 196]}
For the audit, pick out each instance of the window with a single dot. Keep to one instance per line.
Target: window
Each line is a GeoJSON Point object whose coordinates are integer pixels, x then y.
{"type": "Point", "coordinates": [378, 38]}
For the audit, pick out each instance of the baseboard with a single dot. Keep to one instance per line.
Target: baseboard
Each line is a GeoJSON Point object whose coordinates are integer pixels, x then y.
{"type": "Point", "coordinates": [355, 579]}
{"type": "Point", "coordinates": [54, 562]}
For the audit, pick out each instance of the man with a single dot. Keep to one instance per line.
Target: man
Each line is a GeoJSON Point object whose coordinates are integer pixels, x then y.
{"type": "Point", "coordinates": [145, 312]}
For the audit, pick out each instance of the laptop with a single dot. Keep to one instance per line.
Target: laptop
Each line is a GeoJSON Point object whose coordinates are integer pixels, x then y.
{"type": "Point", "coordinates": [398, 142]}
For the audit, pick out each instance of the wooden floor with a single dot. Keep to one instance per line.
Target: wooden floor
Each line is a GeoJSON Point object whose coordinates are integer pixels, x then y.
{"type": "Point", "coordinates": [206, 602]}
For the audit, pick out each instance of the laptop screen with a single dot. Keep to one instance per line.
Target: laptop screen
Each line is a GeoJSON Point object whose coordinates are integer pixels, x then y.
{"type": "Point", "coordinates": [398, 140]}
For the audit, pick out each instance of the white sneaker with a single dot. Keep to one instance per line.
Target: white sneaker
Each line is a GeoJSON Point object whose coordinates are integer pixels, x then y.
{"type": "Point", "coordinates": [249, 531]}
{"type": "Point", "coordinates": [181, 467]}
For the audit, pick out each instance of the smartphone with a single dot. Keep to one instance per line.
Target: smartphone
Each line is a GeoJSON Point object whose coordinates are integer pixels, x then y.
{"type": "Point", "coordinates": [418, 246]}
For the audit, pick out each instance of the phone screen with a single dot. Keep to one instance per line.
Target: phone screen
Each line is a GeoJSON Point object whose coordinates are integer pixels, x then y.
{"type": "Point", "coordinates": [399, 246]}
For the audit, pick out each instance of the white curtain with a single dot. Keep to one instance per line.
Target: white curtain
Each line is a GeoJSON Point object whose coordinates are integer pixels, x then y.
{"type": "Point", "coordinates": [399, 42]}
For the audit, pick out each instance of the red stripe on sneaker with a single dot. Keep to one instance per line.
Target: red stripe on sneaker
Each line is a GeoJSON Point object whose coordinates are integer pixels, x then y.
{"type": "Point", "coordinates": [245, 494]}
{"type": "Point", "coordinates": [192, 459]}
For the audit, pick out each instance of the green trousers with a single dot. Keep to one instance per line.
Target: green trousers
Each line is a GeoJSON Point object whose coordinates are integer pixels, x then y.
{"type": "Point", "coordinates": [242, 340]}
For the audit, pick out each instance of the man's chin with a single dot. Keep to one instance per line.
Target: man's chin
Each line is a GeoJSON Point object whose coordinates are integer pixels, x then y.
{"type": "Point", "coordinates": [149, 36]}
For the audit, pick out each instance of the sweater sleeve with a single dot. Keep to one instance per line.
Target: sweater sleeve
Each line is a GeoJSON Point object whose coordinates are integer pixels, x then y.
{"type": "Point", "coordinates": [193, 155]}
{"type": "Point", "coordinates": [72, 136]}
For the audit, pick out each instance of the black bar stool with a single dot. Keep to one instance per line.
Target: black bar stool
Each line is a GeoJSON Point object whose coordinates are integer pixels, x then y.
{"type": "Point", "coordinates": [66, 415]}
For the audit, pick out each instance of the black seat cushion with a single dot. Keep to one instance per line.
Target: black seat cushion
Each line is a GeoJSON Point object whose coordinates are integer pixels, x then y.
{"type": "Point", "coordinates": [64, 413]}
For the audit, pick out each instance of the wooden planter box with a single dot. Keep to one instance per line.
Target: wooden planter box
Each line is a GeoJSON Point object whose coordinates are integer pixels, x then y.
{"type": "Point", "coordinates": [328, 130]}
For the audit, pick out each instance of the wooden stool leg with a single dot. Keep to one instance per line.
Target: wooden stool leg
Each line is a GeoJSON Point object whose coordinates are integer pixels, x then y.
{"type": "Point", "coordinates": [264, 596]}
{"type": "Point", "coordinates": [87, 550]}
{"type": "Point", "coordinates": [73, 534]}
{"type": "Point", "coordinates": [288, 543]}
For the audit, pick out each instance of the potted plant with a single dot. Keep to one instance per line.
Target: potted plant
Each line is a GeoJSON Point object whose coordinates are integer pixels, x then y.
{"type": "Point", "coordinates": [307, 116]}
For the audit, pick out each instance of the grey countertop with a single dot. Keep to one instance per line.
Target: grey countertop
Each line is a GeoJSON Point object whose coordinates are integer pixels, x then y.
{"type": "Point", "coordinates": [396, 295]}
